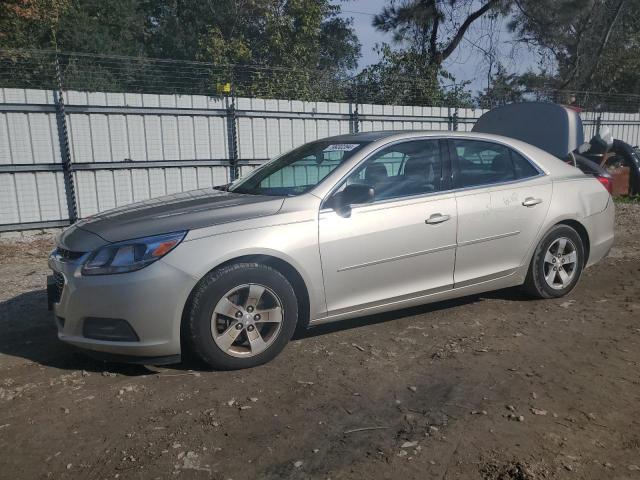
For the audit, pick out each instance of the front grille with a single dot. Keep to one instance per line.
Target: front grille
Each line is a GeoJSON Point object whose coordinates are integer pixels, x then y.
{"type": "Point", "coordinates": [67, 255]}
{"type": "Point", "coordinates": [59, 286]}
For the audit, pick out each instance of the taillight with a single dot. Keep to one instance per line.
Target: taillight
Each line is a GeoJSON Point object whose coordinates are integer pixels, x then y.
{"type": "Point", "coordinates": [606, 183]}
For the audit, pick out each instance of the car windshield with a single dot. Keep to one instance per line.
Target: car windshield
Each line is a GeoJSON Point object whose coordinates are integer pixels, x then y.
{"type": "Point", "coordinates": [297, 171]}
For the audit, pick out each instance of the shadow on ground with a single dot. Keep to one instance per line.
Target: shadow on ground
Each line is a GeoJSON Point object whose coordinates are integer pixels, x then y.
{"type": "Point", "coordinates": [29, 332]}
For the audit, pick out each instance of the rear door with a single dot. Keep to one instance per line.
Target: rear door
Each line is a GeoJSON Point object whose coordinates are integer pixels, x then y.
{"type": "Point", "coordinates": [502, 200]}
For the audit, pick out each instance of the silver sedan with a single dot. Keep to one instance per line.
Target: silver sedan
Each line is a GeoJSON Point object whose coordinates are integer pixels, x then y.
{"type": "Point", "coordinates": [337, 228]}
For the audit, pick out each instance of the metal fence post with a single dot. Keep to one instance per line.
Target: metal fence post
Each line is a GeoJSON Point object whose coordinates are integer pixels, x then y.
{"type": "Point", "coordinates": [232, 138]}
{"type": "Point", "coordinates": [455, 120]}
{"type": "Point", "coordinates": [354, 118]}
{"type": "Point", "coordinates": [65, 152]}
{"type": "Point", "coordinates": [598, 123]}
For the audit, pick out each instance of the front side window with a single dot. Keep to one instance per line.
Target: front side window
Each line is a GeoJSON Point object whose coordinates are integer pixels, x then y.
{"type": "Point", "coordinates": [297, 171]}
{"type": "Point", "coordinates": [401, 170]}
{"type": "Point", "coordinates": [483, 163]}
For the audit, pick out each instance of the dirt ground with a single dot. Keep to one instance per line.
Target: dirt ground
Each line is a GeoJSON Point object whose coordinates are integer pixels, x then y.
{"type": "Point", "coordinates": [490, 387]}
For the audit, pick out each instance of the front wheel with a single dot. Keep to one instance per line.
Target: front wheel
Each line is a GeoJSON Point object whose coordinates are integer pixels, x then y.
{"type": "Point", "coordinates": [241, 316]}
{"type": "Point", "coordinates": [557, 263]}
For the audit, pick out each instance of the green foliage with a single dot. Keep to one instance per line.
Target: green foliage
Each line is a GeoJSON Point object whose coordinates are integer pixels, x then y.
{"type": "Point", "coordinates": [507, 88]}
{"type": "Point", "coordinates": [30, 23]}
{"type": "Point", "coordinates": [303, 44]}
{"type": "Point", "coordinates": [633, 199]}
{"type": "Point", "coordinates": [595, 43]}
{"type": "Point", "coordinates": [402, 77]}
{"type": "Point", "coordinates": [504, 88]}
{"type": "Point", "coordinates": [426, 33]}
{"type": "Point", "coordinates": [434, 28]}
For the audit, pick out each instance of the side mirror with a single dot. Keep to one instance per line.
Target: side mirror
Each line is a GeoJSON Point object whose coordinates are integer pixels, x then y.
{"type": "Point", "coordinates": [353, 194]}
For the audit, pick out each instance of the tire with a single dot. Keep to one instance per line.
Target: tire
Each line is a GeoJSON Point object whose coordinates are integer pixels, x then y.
{"type": "Point", "coordinates": [541, 268]}
{"type": "Point", "coordinates": [259, 340]}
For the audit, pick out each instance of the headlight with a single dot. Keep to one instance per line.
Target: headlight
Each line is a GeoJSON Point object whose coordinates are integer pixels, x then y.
{"type": "Point", "coordinates": [130, 255]}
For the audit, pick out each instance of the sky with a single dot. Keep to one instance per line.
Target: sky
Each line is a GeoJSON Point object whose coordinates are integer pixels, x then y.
{"type": "Point", "coordinates": [466, 63]}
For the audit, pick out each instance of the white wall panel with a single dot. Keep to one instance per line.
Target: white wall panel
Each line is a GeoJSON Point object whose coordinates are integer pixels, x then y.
{"type": "Point", "coordinates": [28, 197]}
{"type": "Point", "coordinates": [119, 138]}
{"type": "Point", "coordinates": [19, 137]}
{"type": "Point", "coordinates": [9, 211]}
{"type": "Point", "coordinates": [105, 189]}
{"type": "Point", "coordinates": [186, 138]}
{"type": "Point", "coordinates": [5, 146]}
{"type": "Point", "coordinates": [218, 138]}
{"type": "Point", "coordinates": [169, 137]}
{"type": "Point", "coordinates": [157, 182]}
{"type": "Point", "coordinates": [100, 138]}
{"type": "Point", "coordinates": [202, 142]}
{"type": "Point", "coordinates": [137, 137]}
{"type": "Point", "coordinates": [27, 138]}
{"type": "Point", "coordinates": [153, 133]}
{"type": "Point", "coordinates": [86, 193]}
{"type": "Point", "coordinates": [42, 137]}
{"type": "Point", "coordinates": [49, 196]}
{"type": "Point", "coordinates": [123, 187]}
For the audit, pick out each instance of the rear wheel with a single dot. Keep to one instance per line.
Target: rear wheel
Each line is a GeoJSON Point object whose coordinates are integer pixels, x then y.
{"type": "Point", "coordinates": [241, 316]}
{"type": "Point", "coordinates": [557, 263]}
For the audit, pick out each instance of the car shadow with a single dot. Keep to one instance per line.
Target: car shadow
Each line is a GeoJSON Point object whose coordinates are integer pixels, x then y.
{"type": "Point", "coordinates": [29, 332]}
{"type": "Point", "coordinates": [508, 294]}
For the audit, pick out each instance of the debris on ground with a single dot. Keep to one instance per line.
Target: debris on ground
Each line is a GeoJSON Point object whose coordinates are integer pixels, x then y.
{"type": "Point", "coordinates": [361, 414]}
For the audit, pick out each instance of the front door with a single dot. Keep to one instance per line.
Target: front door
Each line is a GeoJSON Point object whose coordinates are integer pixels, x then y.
{"type": "Point", "coordinates": [400, 246]}
{"type": "Point", "coordinates": [502, 202]}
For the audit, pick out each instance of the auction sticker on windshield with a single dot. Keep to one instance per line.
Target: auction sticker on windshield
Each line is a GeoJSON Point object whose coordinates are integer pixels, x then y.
{"type": "Point", "coordinates": [340, 147]}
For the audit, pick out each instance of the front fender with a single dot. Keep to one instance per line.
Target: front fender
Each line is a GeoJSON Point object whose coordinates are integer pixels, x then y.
{"type": "Point", "coordinates": [295, 243]}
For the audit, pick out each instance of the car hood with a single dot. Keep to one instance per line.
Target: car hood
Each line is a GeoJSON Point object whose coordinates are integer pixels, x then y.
{"type": "Point", "coordinates": [182, 211]}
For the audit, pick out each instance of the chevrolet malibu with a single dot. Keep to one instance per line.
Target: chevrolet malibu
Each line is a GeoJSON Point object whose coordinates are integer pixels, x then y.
{"type": "Point", "coordinates": [338, 228]}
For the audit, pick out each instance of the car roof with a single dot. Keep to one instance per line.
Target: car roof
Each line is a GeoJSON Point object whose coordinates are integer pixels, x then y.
{"type": "Point", "coordinates": [544, 160]}
{"type": "Point", "coordinates": [399, 134]}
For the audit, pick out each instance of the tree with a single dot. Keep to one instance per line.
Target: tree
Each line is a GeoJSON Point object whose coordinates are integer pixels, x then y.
{"type": "Point", "coordinates": [434, 28]}
{"type": "Point", "coordinates": [594, 43]}
{"type": "Point", "coordinates": [426, 33]}
{"type": "Point", "coordinates": [30, 23]}
{"type": "Point", "coordinates": [401, 78]}
{"type": "Point", "coordinates": [504, 88]}
{"type": "Point", "coordinates": [116, 27]}
{"type": "Point", "coordinates": [300, 33]}
{"type": "Point", "coordinates": [289, 47]}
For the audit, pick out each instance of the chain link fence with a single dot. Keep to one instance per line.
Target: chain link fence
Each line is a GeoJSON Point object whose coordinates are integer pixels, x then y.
{"type": "Point", "coordinates": [37, 69]}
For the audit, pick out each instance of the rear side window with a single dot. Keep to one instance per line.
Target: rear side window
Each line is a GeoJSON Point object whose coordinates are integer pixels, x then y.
{"type": "Point", "coordinates": [523, 167]}
{"type": "Point", "coordinates": [484, 163]}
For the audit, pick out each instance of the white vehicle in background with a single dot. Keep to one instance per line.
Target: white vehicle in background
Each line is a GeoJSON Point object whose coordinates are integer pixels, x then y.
{"type": "Point", "coordinates": [337, 228]}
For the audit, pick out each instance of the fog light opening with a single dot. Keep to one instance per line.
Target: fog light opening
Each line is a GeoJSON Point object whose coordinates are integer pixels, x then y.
{"type": "Point", "coordinates": [109, 329]}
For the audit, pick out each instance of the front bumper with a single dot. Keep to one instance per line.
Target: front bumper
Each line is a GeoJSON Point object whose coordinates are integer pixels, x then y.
{"type": "Point", "coordinates": [150, 300]}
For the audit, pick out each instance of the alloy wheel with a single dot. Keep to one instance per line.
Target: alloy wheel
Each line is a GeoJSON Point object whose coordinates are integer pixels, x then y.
{"type": "Point", "coordinates": [247, 320]}
{"type": "Point", "coordinates": [560, 263]}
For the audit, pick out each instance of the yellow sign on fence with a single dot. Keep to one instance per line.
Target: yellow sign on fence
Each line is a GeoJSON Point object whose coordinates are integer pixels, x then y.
{"type": "Point", "coordinates": [223, 88]}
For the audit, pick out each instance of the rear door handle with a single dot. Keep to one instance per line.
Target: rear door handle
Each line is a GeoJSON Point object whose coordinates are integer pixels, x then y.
{"type": "Point", "coordinates": [437, 218]}
{"type": "Point", "coordinates": [530, 201]}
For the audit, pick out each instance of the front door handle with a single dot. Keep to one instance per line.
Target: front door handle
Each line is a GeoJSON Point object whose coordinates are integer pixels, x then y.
{"type": "Point", "coordinates": [437, 218]}
{"type": "Point", "coordinates": [530, 201]}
